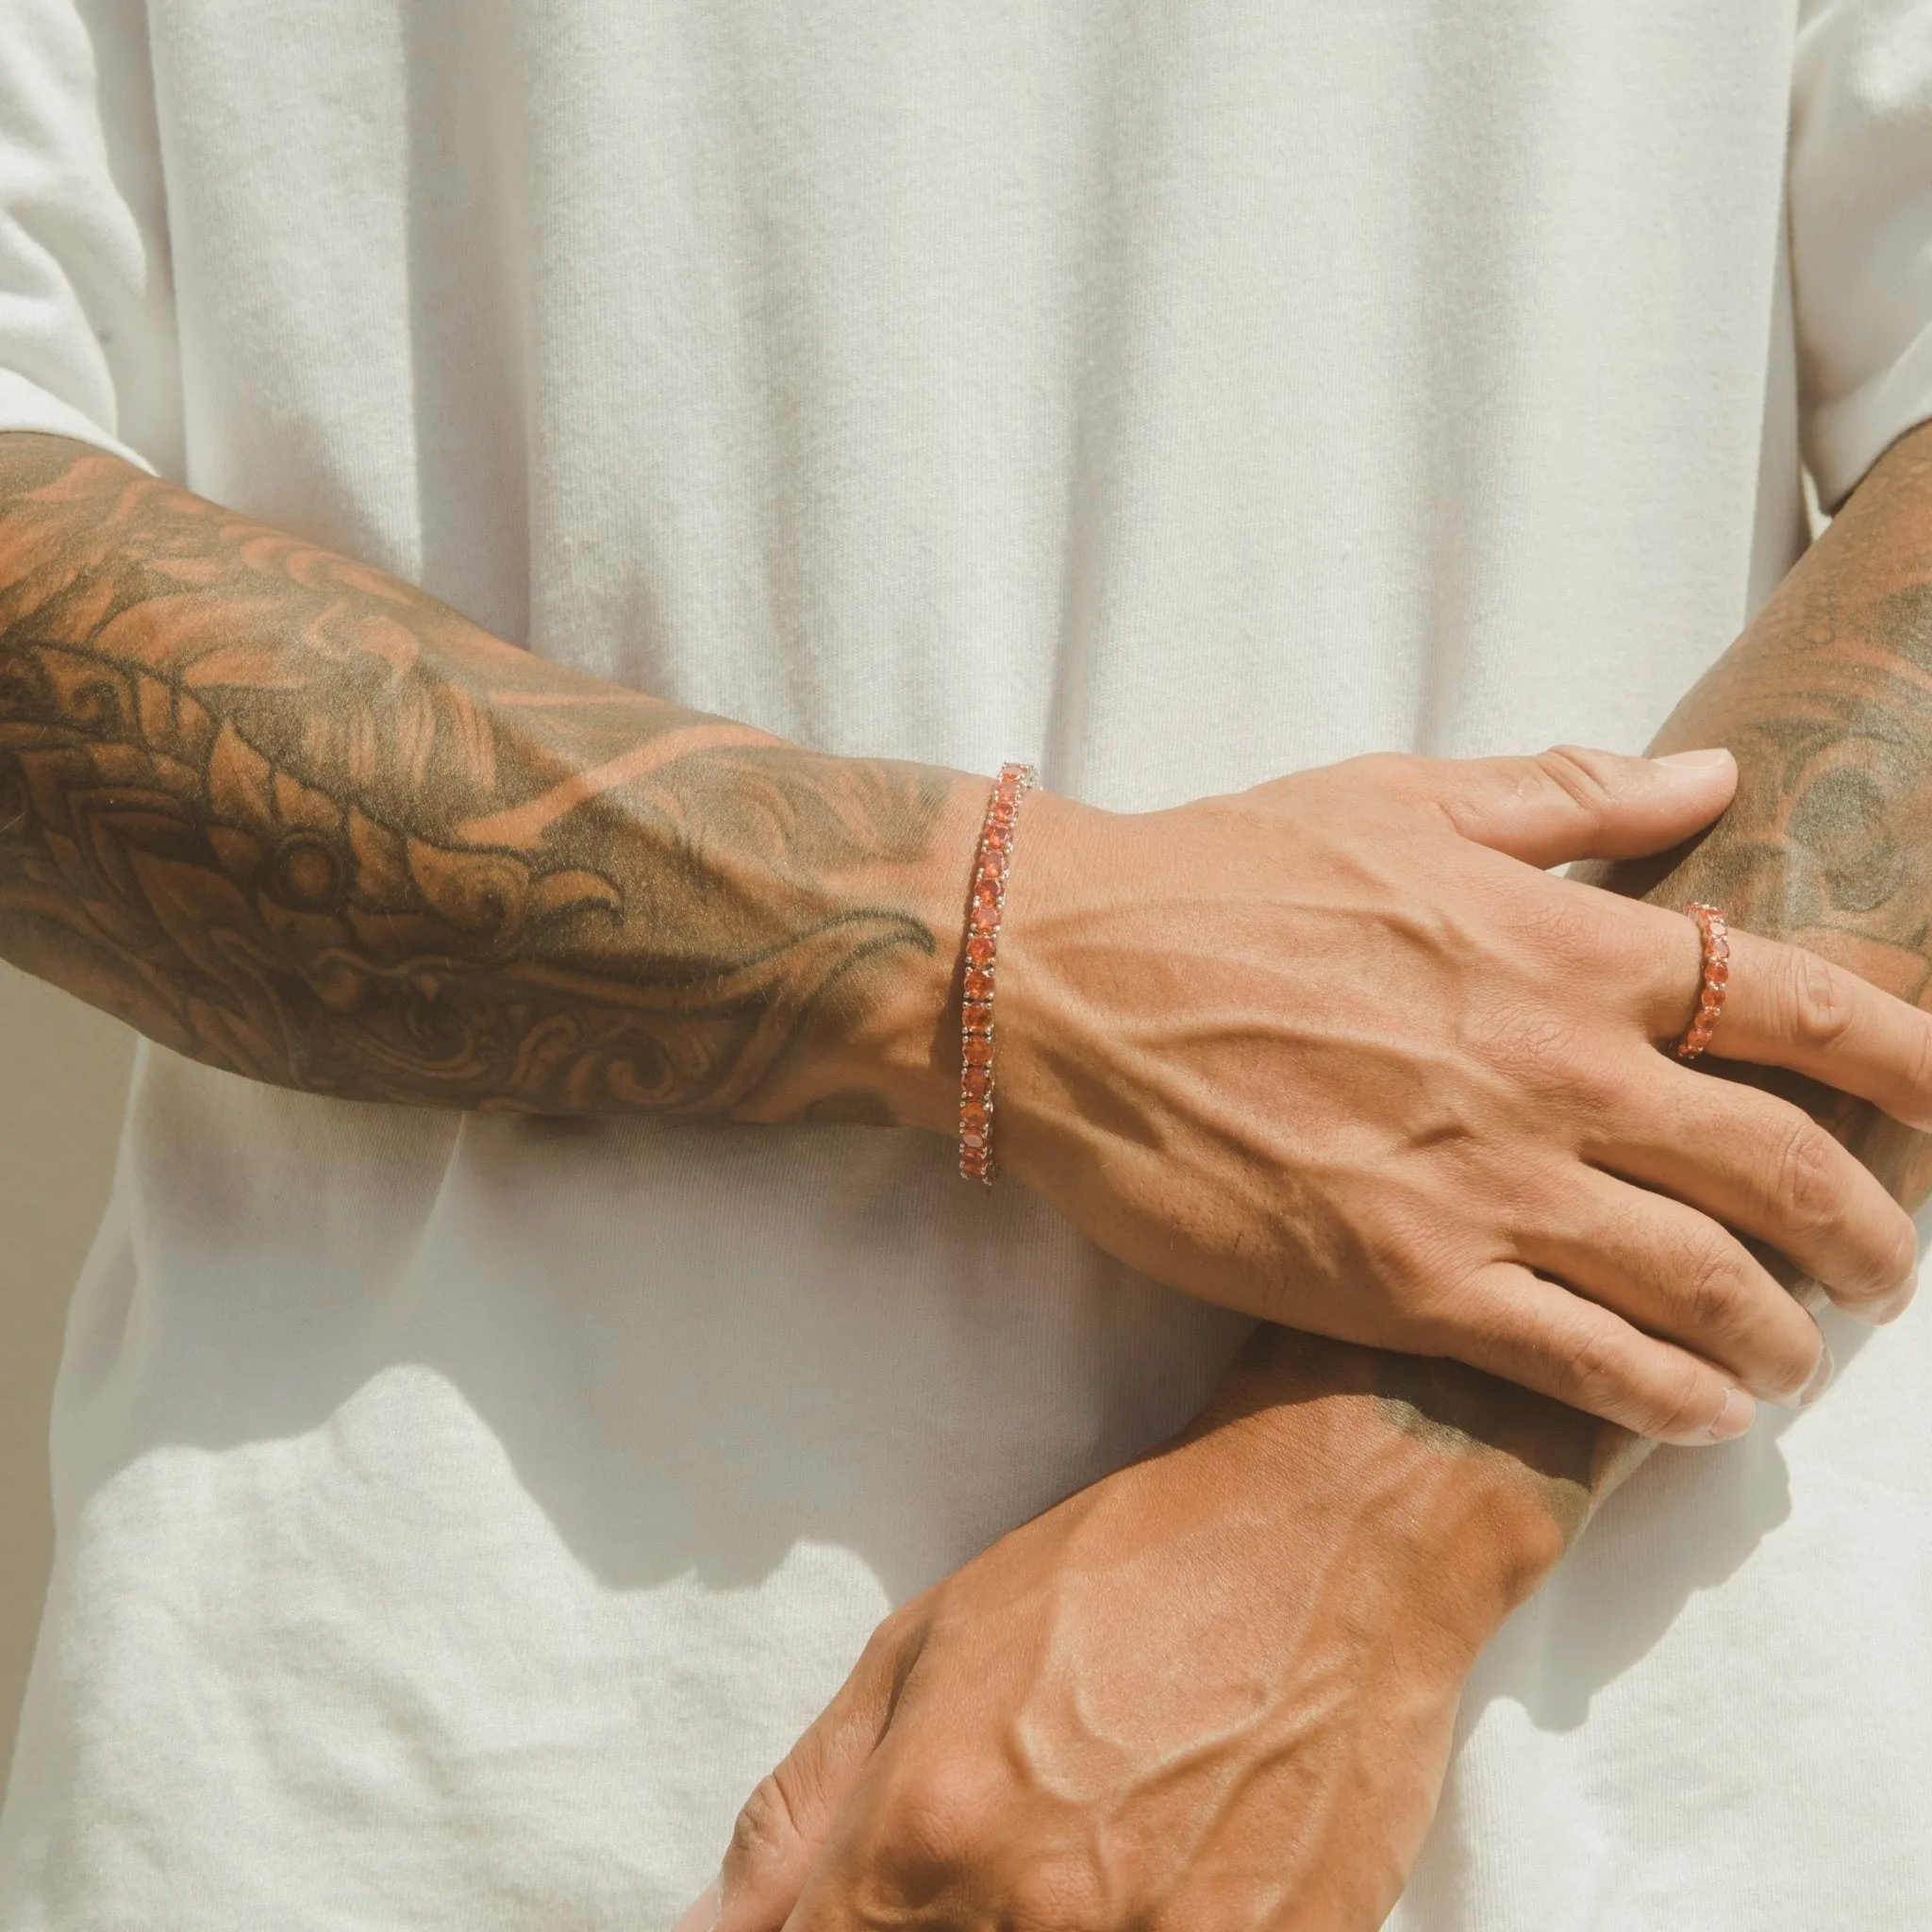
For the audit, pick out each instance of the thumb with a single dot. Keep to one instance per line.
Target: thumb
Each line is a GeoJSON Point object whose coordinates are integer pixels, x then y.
{"type": "Point", "coordinates": [1575, 803]}
{"type": "Point", "coordinates": [777, 1839]}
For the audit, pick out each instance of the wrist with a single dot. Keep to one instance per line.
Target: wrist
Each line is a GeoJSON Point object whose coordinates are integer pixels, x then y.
{"type": "Point", "coordinates": [1067, 889]}
{"type": "Point", "coordinates": [1437, 1532]}
{"type": "Point", "coordinates": [906, 1046]}
{"type": "Point", "coordinates": [897, 1041]}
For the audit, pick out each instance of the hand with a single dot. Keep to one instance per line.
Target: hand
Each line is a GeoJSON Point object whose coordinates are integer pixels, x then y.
{"type": "Point", "coordinates": [1216, 1688]}
{"type": "Point", "coordinates": [1338, 1053]}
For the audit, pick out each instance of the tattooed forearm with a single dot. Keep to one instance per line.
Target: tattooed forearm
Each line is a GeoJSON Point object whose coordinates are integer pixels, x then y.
{"type": "Point", "coordinates": [292, 817]}
{"type": "Point", "coordinates": [1826, 703]}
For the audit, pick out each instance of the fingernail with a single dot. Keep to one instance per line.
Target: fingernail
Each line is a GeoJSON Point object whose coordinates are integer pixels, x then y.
{"type": "Point", "coordinates": [1733, 1418]}
{"type": "Point", "coordinates": [1897, 1302]}
{"type": "Point", "coordinates": [1697, 761]}
{"type": "Point", "coordinates": [1821, 1377]}
{"type": "Point", "coordinates": [704, 1915]}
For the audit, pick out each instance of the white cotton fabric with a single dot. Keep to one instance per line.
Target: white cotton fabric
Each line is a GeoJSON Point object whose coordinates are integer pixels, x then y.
{"type": "Point", "coordinates": [458, 1515]}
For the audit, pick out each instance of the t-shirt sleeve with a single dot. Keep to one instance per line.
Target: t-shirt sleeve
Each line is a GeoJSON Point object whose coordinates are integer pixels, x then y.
{"type": "Point", "coordinates": [88, 344]}
{"type": "Point", "coordinates": [1861, 191]}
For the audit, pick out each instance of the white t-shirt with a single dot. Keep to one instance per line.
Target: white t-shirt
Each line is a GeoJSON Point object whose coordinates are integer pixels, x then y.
{"type": "Point", "coordinates": [456, 1515]}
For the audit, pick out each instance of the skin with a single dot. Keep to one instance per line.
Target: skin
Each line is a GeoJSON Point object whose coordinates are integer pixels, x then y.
{"type": "Point", "coordinates": [1331, 1545]}
{"type": "Point", "coordinates": [296, 819]}
{"type": "Point", "coordinates": [291, 817]}
{"type": "Point", "coordinates": [1337, 1051]}
{"type": "Point", "coordinates": [1216, 1690]}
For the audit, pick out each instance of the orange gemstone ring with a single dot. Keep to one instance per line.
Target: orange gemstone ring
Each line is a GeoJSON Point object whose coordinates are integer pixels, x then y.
{"type": "Point", "coordinates": [1716, 977]}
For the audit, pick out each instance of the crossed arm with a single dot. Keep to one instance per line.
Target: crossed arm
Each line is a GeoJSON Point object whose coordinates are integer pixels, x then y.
{"type": "Point", "coordinates": [293, 818]}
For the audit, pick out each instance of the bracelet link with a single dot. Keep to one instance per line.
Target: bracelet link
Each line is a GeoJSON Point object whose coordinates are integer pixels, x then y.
{"type": "Point", "coordinates": [985, 908]}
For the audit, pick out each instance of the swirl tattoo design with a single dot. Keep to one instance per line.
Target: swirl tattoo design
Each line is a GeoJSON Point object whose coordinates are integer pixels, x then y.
{"type": "Point", "coordinates": [293, 818]}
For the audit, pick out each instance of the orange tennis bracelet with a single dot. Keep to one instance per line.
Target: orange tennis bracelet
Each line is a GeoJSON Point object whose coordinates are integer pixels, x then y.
{"type": "Point", "coordinates": [989, 902]}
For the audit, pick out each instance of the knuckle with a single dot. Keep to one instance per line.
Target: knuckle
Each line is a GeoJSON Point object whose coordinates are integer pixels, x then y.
{"type": "Point", "coordinates": [765, 1826]}
{"type": "Point", "coordinates": [896, 1632]}
{"type": "Point", "coordinates": [1435, 1263]}
{"type": "Point", "coordinates": [1804, 1177]}
{"type": "Point", "coordinates": [1819, 1001]}
{"type": "Point", "coordinates": [1705, 1290]}
{"type": "Point", "coordinates": [1443, 1309]}
{"type": "Point", "coordinates": [1670, 1405]}
{"type": "Point", "coordinates": [1400, 775]}
{"type": "Point", "coordinates": [944, 1821]}
{"type": "Point", "coordinates": [1900, 1262]}
{"type": "Point", "coordinates": [1572, 770]}
{"type": "Point", "coordinates": [1385, 767]}
{"type": "Point", "coordinates": [1592, 1369]}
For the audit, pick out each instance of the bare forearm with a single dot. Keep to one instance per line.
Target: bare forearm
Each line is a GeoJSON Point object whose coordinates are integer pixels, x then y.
{"type": "Point", "coordinates": [296, 818]}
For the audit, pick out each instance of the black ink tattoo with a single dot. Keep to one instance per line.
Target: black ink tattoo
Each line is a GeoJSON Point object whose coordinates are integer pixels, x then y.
{"type": "Point", "coordinates": [294, 818]}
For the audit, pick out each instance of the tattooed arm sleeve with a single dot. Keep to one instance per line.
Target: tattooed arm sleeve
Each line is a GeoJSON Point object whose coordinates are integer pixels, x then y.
{"type": "Point", "coordinates": [292, 817]}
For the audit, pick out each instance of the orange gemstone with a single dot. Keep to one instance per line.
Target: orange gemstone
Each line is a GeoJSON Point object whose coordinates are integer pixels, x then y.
{"type": "Point", "coordinates": [974, 1116]}
{"type": "Point", "coordinates": [979, 950]}
{"type": "Point", "coordinates": [1720, 947]}
{"type": "Point", "coordinates": [978, 1050]}
{"type": "Point", "coordinates": [1718, 974]}
{"type": "Point", "coordinates": [972, 1142]}
{"type": "Point", "coordinates": [979, 984]}
{"type": "Point", "coordinates": [976, 1083]}
{"type": "Point", "coordinates": [998, 838]}
{"type": "Point", "coordinates": [979, 1017]}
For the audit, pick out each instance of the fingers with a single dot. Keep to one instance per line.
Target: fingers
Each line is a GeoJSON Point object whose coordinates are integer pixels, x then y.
{"type": "Point", "coordinates": [1764, 1167]}
{"type": "Point", "coordinates": [777, 1839]}
{"type": "Point", "coordinates": [1675, 1272]}
{"type": "Point", "coordinates": [1785, 1007]}
{"type": "Point", "coordinates": [1542, 1337]}
{"type": "Point", "coordinates": [1574, 803]}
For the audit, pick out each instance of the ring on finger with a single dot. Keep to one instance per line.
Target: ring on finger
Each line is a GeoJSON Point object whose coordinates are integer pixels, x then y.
{"type": "Point", "coordinates": [1715, 977]}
